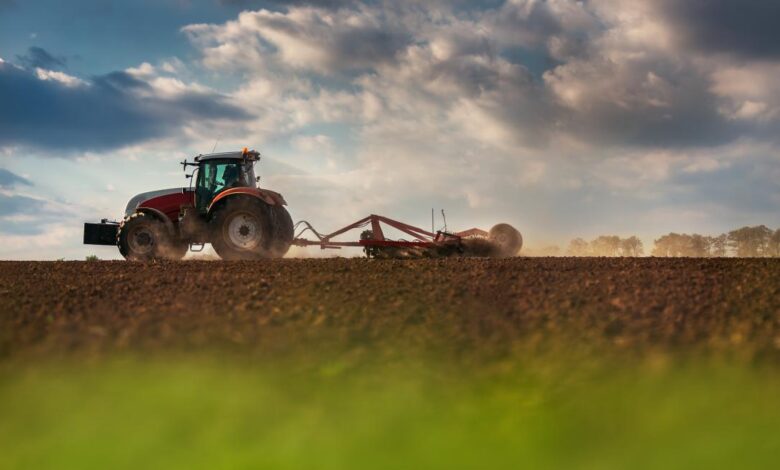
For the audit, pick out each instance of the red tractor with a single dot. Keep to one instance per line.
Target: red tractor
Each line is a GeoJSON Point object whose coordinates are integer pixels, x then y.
{"type": "Point", "coordinates": [225, 208]}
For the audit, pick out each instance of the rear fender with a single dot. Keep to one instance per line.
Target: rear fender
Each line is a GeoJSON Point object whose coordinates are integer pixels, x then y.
{"type": "Point", "coordinates": [159, 215]}
{"type": "Point", "coordinates": [272, 198]}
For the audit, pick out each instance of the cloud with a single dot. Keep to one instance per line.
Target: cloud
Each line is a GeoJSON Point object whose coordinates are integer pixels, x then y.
{"type": "Point", "coordinates": [49, 240]}
{"type": "Point", "coordinates": [303, 37]}
{"type": "Point", "coordinates": [10, 180]}
{"type": "Point", "coordinates": [562, 27]}
{"type": "Point", "coordinates": [637, 84]}
{"type": "Point", "coordinates": [287, 3]}
{"type": "Point", "coordinates": [639, 102]}
{"type": "Point", "coordinates": [614, 73]}
{"type": "Point", "coordinates": [13, 204]}
{"type": "Point", "coordinates": [60, 113]}
{"type": "Point", "coordinates": [750, 91]}
{"type": "Point", "coordinates": [37, 57]}
{"type": "Point", "coordinates": [747, 28]}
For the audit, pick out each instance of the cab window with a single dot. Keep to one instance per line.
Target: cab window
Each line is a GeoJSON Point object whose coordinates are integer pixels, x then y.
{"type": "Point", "coordinates": [216, 176]}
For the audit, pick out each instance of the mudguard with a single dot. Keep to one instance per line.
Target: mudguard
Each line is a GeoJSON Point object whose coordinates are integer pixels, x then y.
{"type": "Point", "coordinates": [143, 198]}
{"type": "Point", "coordinates": [166, 206]}
{"type": "Point", "coordinates": [272, 198]}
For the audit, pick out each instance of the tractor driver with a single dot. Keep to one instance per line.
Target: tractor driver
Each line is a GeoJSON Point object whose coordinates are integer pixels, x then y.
{"type": "Point", "coordinates": [231, 178]}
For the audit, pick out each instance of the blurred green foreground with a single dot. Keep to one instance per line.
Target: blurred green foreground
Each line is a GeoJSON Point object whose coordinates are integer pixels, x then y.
{"type": "Point", "coordinates": [221, 412]}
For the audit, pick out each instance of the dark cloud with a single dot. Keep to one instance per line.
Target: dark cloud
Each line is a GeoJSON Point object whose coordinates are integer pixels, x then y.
{"type": "Point", "coordinates": [645, 103]}
{"type": "Point", "coordinates": [44, 213]}
{"type": "Point", "coordinates": [107, 112]}
{"type": "Point", "coordinates": [562, 27]}
{"type": "Point", "coordinates": [15, 204]}
{"type": "Point", "coordinates": [286, 3]}
{"type": "Point", "coordinates": [368, 46]}
{"type": "Point", "coordinates": [531, 21]}
{"type": "Point", "coordinates": [345, 47]}
{"type": "Point", "coordinates": [691, 124]}
{"type": "Point", "coordinates": [746, 28]}
{"type": "Point", "coordinates": [39, 57]}
{"type": "Point", "coordinates": [10, 180]}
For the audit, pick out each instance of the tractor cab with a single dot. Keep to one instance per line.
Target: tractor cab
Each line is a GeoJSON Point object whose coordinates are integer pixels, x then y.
{"type": "Point", "coordinates": [219, 172]}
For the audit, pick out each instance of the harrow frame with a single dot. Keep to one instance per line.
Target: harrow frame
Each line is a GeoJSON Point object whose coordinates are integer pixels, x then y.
{"type": "Point", "coordinates": [421, 238]}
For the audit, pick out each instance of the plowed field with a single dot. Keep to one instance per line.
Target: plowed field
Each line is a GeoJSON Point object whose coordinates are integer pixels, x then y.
{"type": "Point", "coordinates": [460, 307]}
{"type": "Point", "coordinates": [355, 363]}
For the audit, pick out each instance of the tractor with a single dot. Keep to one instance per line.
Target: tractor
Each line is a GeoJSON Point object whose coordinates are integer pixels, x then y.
{"type": "Point", "coordinates": [225, 208]}
{"type": "Point", "coordinates": [242, 221]}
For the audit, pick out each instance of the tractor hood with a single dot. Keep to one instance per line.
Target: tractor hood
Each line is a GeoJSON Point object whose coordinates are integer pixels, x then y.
{"type": "Point", "coordinates": [139, 198]}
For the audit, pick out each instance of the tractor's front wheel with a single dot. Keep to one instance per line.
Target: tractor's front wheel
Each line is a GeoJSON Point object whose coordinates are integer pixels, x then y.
{"type": "Point", "coordinates": [242, 229]}
{"type": "Point", "coordinates": [144, 238]}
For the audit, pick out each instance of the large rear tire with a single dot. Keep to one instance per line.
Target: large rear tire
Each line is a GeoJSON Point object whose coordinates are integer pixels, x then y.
{"type": "Point", "coordinates": [242, 229]}
{"type": "Point", "coordinates": [283, 232]}
{"type": "Point", "coordinates": [506, 239]}
{"type": "Point", "coordinates": [141, 237]}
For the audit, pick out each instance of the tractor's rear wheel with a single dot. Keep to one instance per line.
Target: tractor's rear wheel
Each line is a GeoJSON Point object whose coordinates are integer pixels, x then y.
{"type": "Point", "coordinates": [283, 232]}
{"type": "Point", "coordinates": [141, 237]}
{"type": "Point", "coordinates": [506, 239]}
{"type": "Point", "coordinates": [242, 229]}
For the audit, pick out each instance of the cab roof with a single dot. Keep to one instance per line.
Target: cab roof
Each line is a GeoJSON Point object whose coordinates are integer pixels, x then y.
{"type": "Point", "coordinates": [239, 155]}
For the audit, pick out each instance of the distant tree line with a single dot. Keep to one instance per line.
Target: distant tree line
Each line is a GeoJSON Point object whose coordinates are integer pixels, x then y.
{"type": "Point", "coordinates": [606, 245]}
{"type": "Point", "coordinates": [758, 241]}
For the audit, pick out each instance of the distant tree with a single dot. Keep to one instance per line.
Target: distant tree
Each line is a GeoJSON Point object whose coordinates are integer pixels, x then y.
{"type": "Point", "coordinates": [698, 246]}
{"type": "Point", "coordinates": [605, 245]}
{"type": "Point", "coordinates": [577, 247]}
{"type": "Point", "coordinates": [719, 245]}
{"type": "Point", "coordinates": [672, 244]}
{"type": "Point", "coordinates": [751, 241]}
{"type": "Point", "coordinates": [631, 246]}
{"type": "Point", "coordinates": [92, 258]}
{"type": "Point", "coordinates": [774, 244]}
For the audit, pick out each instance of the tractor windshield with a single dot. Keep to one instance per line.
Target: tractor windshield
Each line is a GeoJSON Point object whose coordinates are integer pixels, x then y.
{"type": "Point", "coordinates": [214, 176]}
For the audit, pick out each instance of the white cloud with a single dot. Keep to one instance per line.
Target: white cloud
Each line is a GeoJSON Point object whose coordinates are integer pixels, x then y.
{"type": "Point", "coordinates": [302, 37]}
{"type": "Point", "coordinates": [61, 77]}
{"type": "Point", "coordinates": [144, 70]}
{"type": "Point", "coordinates": [751, 91]}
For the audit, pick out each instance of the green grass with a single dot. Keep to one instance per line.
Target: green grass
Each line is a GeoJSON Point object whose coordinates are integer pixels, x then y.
{"type": "Point", "coordinates": [222, 412]}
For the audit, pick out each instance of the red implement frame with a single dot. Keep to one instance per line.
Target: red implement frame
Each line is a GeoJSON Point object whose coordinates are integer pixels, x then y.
{"type": "Point", "coordinates": [421, 238]}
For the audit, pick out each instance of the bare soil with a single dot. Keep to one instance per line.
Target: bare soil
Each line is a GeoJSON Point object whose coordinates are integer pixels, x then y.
{"type": "Point", "coordinates": [468, 309]}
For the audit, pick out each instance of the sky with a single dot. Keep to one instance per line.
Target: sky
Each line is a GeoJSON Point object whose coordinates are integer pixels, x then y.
{"type": "Point", "coordinates": [564, 118]}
